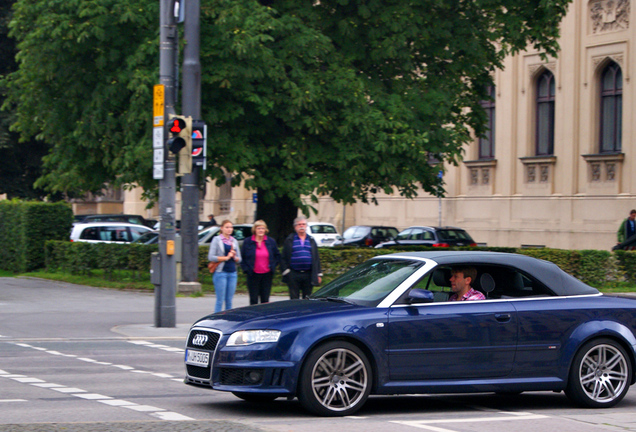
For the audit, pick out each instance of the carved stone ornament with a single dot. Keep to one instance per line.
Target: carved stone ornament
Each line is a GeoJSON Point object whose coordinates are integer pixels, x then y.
{"type": "Point", "coordinates": [610, 169]}
{"type": "Point", "coordinates": [609, 15]}
{"type": "Point", "coordinates": [474, 176]}
{"type": "Point", "coordinates": [485, 176]}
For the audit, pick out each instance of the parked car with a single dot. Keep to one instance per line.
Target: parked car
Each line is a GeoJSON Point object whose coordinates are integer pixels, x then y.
{"type": "Point", "coordinates": [325, 234]}
{"type": "Point", "coordinates": [134, 219]}
{"type": "Point", "coordinates": [366, 235]}
{"type": "Point", "coordinates": [107, 232]}
{"type": "Point", "coordinates": [387, 327]}
{"type": "Point", "coordinates": [241, 231]}
{"type": "Point", "coordinates": [157, 225]}
{"type": "Point", "coordinates": [430, 236]}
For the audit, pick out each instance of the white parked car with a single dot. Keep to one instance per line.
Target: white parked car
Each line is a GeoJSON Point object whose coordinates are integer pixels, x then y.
{"type": "Point", "coordinates": [325, 234]}
{"type": "Point", "coordinates": [107, 232]}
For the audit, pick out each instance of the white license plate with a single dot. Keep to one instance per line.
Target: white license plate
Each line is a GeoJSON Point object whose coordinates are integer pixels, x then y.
{"type": "Point", "coordinates": [197, 358]}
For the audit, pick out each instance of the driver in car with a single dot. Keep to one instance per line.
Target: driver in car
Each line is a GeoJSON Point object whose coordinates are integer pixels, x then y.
{"type": "Point", "coordinates": [460, 280]}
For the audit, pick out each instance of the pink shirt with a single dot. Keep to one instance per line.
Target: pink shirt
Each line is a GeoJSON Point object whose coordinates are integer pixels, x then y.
{"type": "Point", "coordinates": [261, 263]}
{"type": "Point", "coordinates": [472, 294]}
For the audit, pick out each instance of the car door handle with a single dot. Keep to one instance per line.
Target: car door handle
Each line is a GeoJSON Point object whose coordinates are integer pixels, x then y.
{"type": "Point", "coordinates": [503, 317]}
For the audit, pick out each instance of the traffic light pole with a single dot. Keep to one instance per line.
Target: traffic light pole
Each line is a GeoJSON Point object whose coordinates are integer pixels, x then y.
{"type": "Point", "coordinates": [191, 106]}
{"type": "Point", "coordinates": [165, 293]}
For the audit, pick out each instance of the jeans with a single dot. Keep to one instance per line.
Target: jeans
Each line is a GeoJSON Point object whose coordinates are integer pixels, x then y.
{"type": "Point", "coordinates": [224, 286]}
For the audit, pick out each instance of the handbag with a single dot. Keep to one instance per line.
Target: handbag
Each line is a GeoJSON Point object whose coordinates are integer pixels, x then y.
{"type": "Point", "coordinates": [212, 266]}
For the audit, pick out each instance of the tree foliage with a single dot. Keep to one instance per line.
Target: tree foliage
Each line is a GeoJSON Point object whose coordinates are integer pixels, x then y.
{"type": "Point", "coordinates": [346, 98]}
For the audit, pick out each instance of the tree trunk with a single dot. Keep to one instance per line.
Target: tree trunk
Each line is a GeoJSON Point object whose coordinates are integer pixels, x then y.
{"type": "Point", "coordinates": [278, 215]}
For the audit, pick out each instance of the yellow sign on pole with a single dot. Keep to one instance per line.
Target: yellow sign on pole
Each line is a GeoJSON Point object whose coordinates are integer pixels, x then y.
{"type": "Point", "coordinates": [158, 102]}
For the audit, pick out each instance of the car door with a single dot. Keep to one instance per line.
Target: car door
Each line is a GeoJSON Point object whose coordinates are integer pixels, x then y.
{"type": "Point", "coordinates": [452, 340]}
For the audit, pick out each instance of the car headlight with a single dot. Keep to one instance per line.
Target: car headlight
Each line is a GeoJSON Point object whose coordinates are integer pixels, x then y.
{"type": "Point", "coordinates": [248, 337]}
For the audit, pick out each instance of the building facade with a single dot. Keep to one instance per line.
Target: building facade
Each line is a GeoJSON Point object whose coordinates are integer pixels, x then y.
{"type": "Point", "coordinates": [554, 169]}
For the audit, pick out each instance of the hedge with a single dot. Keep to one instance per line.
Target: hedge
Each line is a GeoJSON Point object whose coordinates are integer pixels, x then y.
{"type": "Point", "coordinates": [591, 266]}
{"type": "Point", "coordinates": [24, 229]}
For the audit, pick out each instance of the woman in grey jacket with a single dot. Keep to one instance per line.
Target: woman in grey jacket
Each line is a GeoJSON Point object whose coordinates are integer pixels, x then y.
{"type": "Point", "coordinates": [225, 250]}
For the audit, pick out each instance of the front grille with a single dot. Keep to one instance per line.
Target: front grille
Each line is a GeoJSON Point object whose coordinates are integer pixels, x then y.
{"type": "Point", "coordinates": [211, 339]}
{"type": "Point", "coordinates": [231, 376]}
{"type": "Point", "coordinates": [206, 341]}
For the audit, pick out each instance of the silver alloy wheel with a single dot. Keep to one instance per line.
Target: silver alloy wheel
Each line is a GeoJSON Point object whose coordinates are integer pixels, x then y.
{"type": "Point", "coordinates": [339, 379]}
{"type": "Point", "coordinates": [603, 373]}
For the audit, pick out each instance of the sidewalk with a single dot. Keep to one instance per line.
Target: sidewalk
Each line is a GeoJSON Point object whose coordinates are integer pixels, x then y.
{"type": "Point", "coordinates": [149, 331]}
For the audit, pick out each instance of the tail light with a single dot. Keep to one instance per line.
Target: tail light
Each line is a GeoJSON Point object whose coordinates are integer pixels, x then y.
{"type": "Point", "coordinates": [368, 242]}
{"type": "Point", "coordinates": [441, 245]}
{"type": "Point", "coordinates": [473, 245]}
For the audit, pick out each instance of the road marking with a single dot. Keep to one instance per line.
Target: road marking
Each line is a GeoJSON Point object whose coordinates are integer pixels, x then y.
{"type": "Point", "coordinates": [157, 412]}
{"type": "Point", "coordinates": [508, 416]}
{"type": "Point", "coordinates": [96, 362]}
{"type": "Point", "coordinates": [157, 346]}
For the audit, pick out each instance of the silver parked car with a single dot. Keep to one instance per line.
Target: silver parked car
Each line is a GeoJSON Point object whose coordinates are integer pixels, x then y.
{"type": "Point", "coordinates": [107, 232]}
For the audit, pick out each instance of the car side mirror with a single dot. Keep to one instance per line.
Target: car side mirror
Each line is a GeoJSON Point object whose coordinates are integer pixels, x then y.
{"type": "Point", "coordinates": [418, 295]}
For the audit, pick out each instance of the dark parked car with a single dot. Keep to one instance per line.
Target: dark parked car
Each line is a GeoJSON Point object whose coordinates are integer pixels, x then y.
{"type": "Point", "coordinates": [430, 236]}
{"type": "Point", "coordinates": [387, 327]}
{"type": "Point", "coordinates": [365, 235]}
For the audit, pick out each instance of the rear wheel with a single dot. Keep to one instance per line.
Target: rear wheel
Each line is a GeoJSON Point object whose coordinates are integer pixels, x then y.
{"type": "Point", "coordinates": [600, 376]}
{"type": "Point", "coordinates": [335, 380]}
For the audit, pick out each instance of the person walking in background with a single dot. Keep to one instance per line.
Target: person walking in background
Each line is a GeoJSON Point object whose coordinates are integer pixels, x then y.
{"type": "Point", "coordinates": [260, 257]}
{"type": "Point", "coordinates": [627, 228]}
{"type": "Point", "coordinates": [211, 221]}
{"type": "Point", "coordinates": [225, 251]}
{"type": "Point", "coordinates": [300, 262]}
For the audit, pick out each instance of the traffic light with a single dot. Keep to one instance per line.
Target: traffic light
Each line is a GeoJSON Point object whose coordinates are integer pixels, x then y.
{"type": "Point", "coordinates": [199, 138]}
{"type": "Point", "coordinates": [180, 141]}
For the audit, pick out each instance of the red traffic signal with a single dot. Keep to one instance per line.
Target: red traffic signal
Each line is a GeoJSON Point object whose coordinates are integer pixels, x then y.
{"type": "Point", "coordinates": [176, 125]}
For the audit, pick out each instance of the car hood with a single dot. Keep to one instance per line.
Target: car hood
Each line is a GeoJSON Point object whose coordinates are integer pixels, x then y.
{"type": "Point", "coordinates": [270, 315]}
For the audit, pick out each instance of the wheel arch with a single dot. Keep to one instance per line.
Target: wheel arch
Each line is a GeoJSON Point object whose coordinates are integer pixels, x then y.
{"type": "Point", "coordinates": [602, 330]}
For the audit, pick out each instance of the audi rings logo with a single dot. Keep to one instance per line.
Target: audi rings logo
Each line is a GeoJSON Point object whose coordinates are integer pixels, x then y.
{"type": "Point", "coordinates": [200, 340]}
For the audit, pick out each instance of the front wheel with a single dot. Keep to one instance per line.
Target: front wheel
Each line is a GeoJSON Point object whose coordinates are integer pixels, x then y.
{"type": "Point", "coordinates": [335, 380]}
{"type": "Point", "coordinates": [600, 376]}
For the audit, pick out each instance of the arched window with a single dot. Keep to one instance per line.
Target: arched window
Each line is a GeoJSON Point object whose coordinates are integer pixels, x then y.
{"type": "Point", "coordinates": [487, 142]}
{"type": "Point", "coordinates": [545, 114]}
{"type": "Point", "coordinates": [611, 109]}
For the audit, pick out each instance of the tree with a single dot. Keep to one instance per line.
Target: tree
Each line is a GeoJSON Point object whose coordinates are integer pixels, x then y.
{"type": "Point", "coordinates": [339, 97]}
{"type": "Point", "coordinates": [21, 162]}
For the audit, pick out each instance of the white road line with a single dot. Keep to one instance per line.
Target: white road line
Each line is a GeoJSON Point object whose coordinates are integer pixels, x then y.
{"type": "Point", "coordinates": [157, 412]}
{"type": "Point", "coordinates": [170, 416]}
{"type": "Point", "coordinates": [92, 396]}
{"type": "Point", "coordinates": [68, 390]}
{"type": "Point", "coordinates": [157, 346]}
{"type": "Point", "coordinates": [93, 361]}
{"type": "Point", "coordinates": [427, 424]}
{"type": "Point", "coordinates": [28, 380]}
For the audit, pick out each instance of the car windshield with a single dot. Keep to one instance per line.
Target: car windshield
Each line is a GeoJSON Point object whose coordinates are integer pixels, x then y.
{"type": "Point", "coordinates": [369, 283]}
{"type": "Point", "coordinates": [323, 229]}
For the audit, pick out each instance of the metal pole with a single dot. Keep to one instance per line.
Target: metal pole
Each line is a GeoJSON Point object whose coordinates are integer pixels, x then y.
{"type": "Point", "coordinates": [191, 102]}
{"type": "Point", "coordinates": [165, 308]}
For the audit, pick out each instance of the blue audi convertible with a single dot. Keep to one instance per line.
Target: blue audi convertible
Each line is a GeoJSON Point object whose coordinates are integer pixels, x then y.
{"type": "Point", "coordinates": [387, 327]}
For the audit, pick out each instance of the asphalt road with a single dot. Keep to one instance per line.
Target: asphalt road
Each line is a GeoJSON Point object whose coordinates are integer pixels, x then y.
{"type": "Point", "coordinates": [76, 358]}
